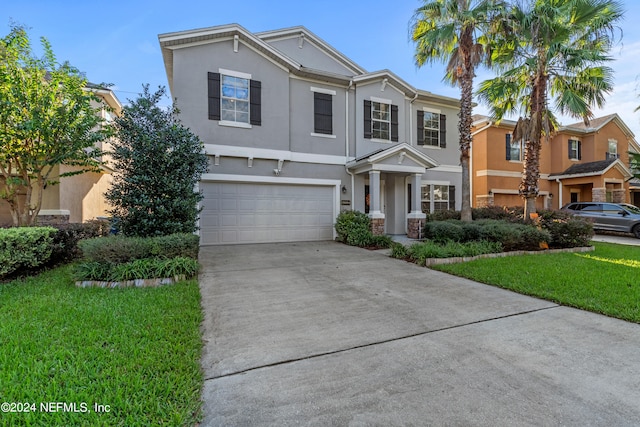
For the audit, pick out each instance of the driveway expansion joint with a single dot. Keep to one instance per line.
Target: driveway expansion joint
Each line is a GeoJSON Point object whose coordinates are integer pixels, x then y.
{"type": "Point", "coordinates": [344, 350]}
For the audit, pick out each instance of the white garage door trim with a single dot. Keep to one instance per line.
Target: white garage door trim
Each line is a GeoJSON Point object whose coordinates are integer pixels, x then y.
{"type": "Point", "coordinates": [249, 179]}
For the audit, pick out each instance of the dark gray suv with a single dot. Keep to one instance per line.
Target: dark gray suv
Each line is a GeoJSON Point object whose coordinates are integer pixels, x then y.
{"type": "Point", "coordinates": [608, 216]}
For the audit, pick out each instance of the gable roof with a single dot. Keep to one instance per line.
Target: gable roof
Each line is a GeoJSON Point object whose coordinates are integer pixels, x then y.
{"type": "Point", "coordinates": [306, 35]}
{"type": "Point", "coordinates": [373, 160]}
{"type": "Point", "coordinates": [599, 167]}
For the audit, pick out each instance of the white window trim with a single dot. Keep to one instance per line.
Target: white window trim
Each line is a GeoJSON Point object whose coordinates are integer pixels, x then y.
{"type": "Point", "coordinates": [521, 151]}
{"type": "Point", "coordinates": [424, 128]}
{"type": "Point", "coordinates": [614, 141]}
{"type": "Point", "coordinates": [235, 124]}
{"type": "Point", "coordinates": [432, 110]}
{"type": "Point", "coordinates": [575, 159]}
{"type": "Point", "coordinates": [323, 135]}
{"type": "Point", "coordinates": [232, 73]}
{"type": "Point", "coordinates": [322, 90]}
{"type": "Point", "coordinates": [380, 100]}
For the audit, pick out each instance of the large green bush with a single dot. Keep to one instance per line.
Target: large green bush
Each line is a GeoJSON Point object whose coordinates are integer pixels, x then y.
{"type": "Point", "coordinates": [566, 230]}
{"type": "Point", "coordinates": [354, 228]}
{"type": "Point", "coordinates": [24, 247]}
{"type": "Point", "coordinates": [65, 240]}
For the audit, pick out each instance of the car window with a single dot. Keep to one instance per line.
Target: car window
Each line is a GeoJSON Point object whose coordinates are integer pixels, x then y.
{"type": "Point", "coordinates": [593, 208]}
{"type": "Point", "coordinates": [631, 208]}
{"type": "Point", "coordinates": [611, 209]}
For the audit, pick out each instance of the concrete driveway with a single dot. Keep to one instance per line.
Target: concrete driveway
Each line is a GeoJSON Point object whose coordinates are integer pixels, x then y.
{"type": "Point", "coordinates": [324, 334]}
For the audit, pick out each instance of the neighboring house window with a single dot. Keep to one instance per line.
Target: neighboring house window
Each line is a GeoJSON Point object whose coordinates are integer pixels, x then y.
{"type": "Point", "coordinates": [436, 198]}
{"type": "Point", "coordinates": [513, 149]}
{"type": "Point", "coordinates": [380, 120]}
{"type": "Point", "coordinates": [432, 129]}
{"type": "Point", "coordinates": [323, 113]}
{"type": "Point", "coordinates": [613, 149]}
{"type": "Point", "coordinates": [234, 99]}
{"type": "Point", "coordinates": [575, 149]}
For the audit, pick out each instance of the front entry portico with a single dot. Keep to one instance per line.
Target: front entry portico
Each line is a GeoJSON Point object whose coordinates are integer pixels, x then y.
{"type": "Point", "coordinates": [400, 167]}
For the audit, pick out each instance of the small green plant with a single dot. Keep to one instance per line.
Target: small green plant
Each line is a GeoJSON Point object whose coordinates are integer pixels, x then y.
{"type": "Point", "coordinates": [398, 250]}
{"type": "Point", "coordinates": [146, 268]}
{"type": "Point", "coordinates": [420, 252]}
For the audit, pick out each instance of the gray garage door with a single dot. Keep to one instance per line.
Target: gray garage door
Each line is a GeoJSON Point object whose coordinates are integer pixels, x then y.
{"type": "Point", "coordinates": [262, 213]}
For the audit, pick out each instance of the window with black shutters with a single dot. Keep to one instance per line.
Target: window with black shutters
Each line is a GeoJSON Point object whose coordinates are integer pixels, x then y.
{"type": "Point", "coordinates": [431, 129]}
{"type": "Point", "coordinates": [234, 99]}
{"type": "Point", "coordinates": [323, 113]}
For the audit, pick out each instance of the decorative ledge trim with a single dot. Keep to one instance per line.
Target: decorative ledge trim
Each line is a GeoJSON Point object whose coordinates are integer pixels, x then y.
{"type": "Point", "coordinates": [137, 283]}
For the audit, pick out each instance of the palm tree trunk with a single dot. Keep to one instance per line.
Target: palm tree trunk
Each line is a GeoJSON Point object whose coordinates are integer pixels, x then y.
{"type": "Point", "coordinates": [464, 124]}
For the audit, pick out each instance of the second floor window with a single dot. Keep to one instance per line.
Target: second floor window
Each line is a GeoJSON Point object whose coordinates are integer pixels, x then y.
{"type": "Point", "coordinates": [514, 149]}
{"type": "Point", "coordinates": [613, 149]}
{"type": "Point", "coordinates": [432, 127]}
{"type": "Point", "coordinates": [234, 99]}
{"type": "Point", "coordinates": [575, 149]}
{"type": "Point", "coordinates": [380, 120]}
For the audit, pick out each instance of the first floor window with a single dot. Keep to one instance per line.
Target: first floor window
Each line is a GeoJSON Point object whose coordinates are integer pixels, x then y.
{"type": "Point", "coordinates": [436, 198]}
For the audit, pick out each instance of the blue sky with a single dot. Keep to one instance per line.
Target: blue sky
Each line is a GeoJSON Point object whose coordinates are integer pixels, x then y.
{"type": "Point", "coordinates": [117, 42]}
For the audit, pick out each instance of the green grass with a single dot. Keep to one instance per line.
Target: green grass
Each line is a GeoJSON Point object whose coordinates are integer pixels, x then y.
{"type": "Point", "coordinates": [136, 350]}
{"type": "Point", "coordinates": [604, 281]}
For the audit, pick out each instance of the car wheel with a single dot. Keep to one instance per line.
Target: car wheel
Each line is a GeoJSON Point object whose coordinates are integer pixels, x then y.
{"type": "Point", "coordinates": [636, 231]}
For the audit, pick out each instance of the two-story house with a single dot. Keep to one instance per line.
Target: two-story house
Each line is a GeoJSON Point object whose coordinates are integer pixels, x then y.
{"type": "Point", "coordinates": [296, 131]}
{"type": "Point", "coordinates": [579, 163]}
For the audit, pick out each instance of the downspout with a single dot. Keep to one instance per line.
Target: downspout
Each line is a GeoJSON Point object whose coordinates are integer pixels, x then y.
{"type": "Point", "coordinates": [471, 160]}
{"type": "Point", "coordinates": [346, 139]}
{"type": "Point", "coordinates": [406, 225]}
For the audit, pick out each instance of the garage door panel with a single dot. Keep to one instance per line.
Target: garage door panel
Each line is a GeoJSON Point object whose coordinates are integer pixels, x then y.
{"type": "Point", "coordinates": [254, 213]}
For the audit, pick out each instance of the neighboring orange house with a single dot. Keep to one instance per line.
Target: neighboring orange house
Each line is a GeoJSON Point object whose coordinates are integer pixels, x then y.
{"type": "Point", "coordinates": [77, 198]}
{"type": "Point", "coordinates": [580, 163]}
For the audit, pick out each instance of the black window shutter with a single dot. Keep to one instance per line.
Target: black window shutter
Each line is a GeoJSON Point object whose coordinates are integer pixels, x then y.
{"type": "Point", "coordinates": [579, 150]}
{"type": "Point", "coordinates": [452, 197]}
{"type": "Point", "coordinates": [367, 119]}
{"type": "Point", "coordinates": [570, 148]}
{"type": "Point", "coordinates": [213, 88]}
{"type": "Point", "coordinates": [420, 128]}
{"type": "Point", "coordinates": [508, 145]}
{"type": "Point", "coordinates": [322, 113]}
{"type": "Point", "coordinates": [394, 123]}
{"type": "Point", "coordinates": [255, 109]}
{"type": "Point", "coordinates": [443, 131]}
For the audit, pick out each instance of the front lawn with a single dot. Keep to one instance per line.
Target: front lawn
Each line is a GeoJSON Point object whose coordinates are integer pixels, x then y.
{"type": "Point", "coordinates": [134, 351]}
{"type": "Point", "coordinates": [604, 281]}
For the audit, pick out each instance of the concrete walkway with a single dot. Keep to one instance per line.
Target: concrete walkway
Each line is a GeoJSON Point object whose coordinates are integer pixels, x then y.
{"type": "Point", "coordinates": [323, 334]}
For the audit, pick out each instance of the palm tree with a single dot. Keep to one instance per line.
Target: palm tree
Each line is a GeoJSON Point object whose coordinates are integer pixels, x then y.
{"type": "Point", "coordinates": [550, 51]}
{"type": "Point", "coordinates": [455, 32]}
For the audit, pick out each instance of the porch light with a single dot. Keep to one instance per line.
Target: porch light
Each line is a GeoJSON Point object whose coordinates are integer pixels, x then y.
{"type": "Point", "coordinates": [344, 189]}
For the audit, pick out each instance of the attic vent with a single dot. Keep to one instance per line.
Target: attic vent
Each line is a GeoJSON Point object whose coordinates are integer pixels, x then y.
{"type": "Point", "coordinates": [301, 40]}
{"type": "Point", "coordinates": [235, 43]}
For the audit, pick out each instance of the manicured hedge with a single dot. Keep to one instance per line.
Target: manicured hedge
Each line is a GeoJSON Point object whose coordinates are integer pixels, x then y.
{"type": "Point", "coordinates": [24, 247]}
{"type": "Point", "coordinates": [146, 268]}
{"type": "Point", "coordinates": [121, 249]}
{"type": "Point", "coordinates": [354, 228]}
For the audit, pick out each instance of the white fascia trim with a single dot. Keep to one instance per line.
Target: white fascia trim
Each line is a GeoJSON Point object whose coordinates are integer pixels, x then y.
{"type": "Point", "coordinates": [218, 177]}
{"type": "Point", "coordinates": [514, 192]}
{"type": "Point", "coordinates": [265, 153]}
{"type": "Point", "coordinates": [507, 174]}
{"type": "Point", "coordinates": [377, 168]}
{"type": "Point", "coordinates": [447, 168]}
{"type": "Point", "coordinates": [232, 73]}
{"type": "Point", "coordinates": [613, 181]}
{"type": "Point", "coordinates": [380, 100]}
{"type": "Point", "coordinates": [323, 90]}
{"type": "Point", "coordinates": [432, 110]}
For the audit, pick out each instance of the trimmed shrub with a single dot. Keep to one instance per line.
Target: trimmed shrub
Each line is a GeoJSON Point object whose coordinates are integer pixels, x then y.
{"type": "Point", "coordinates": [566, 230]}
{"type": "Point", "coordinates": [353, 228]}
{"type": "Point", "coordinates": [443, 216]}
{"type": "Point", "coordinates": [443, 231]}
{"type": "Point", "coordinates": [65, 240]}
{"type": "Point", "coordinates": [121, 249]}
{"type": "Point", "coordinates": [24, 247]}
{"type": "Point", "coordinates": [514, 236]}
{"type": "Point", "coordinates": [511, 214]}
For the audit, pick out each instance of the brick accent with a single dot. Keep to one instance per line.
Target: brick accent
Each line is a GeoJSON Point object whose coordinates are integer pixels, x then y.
{"type": "Point", "coordinates": [52, 219]}
{"type": "Point", "coordinates": [484, 201]}
{"type": "Point", "coordinates": [619, 196]}
{"type": "Point", "coordinates": [599, 194]}
{"type": "Point", "coordinates": [413, 227]}
{"type": "Point", "coordinates": [377, 226]}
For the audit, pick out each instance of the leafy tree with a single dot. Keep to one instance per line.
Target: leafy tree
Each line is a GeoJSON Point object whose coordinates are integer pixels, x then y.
{"type": "Point", "coordinates": [551, 51]}
{"type": "Point", "coordinates": [456, 32]}
{"type": "Point", "coordinates": [47, 118]}
{"type": "Point", "coordinates": [159, 163]}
